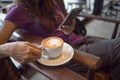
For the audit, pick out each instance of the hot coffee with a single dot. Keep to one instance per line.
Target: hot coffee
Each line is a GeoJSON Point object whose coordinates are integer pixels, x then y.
{"type": "Point", "coordinates": [52, 42]}
{"type": "Point", "coordinates": [52, 46]}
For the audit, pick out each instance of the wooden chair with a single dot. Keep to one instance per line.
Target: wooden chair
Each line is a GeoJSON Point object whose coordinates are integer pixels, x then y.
{"type": "Point", "coordinates": [106, 19]}
{"type": "Point", "coordinates": [102, 73]}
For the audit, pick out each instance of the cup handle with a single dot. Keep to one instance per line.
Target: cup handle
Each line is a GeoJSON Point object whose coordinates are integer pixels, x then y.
{"type": "Point", "coordinates": [43, 54]}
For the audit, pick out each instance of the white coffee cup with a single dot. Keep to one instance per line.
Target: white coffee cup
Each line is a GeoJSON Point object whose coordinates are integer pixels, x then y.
{"type": "Point", "coordinates": [52, 47]}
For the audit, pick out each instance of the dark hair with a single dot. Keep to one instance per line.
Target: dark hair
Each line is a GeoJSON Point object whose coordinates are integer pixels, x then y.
{"type": "Point", "coordinates": [34, 2]}
{"type": "Point", "coordinates": [45, 8]}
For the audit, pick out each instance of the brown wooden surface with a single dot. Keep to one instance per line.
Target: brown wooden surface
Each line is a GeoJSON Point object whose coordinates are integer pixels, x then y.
{"type": "Point", "coordinates": [56, 73]}
{"type": "Point", "coordinates": [86, 59]}
{"type": "Point", "coordinates": [98, 17]}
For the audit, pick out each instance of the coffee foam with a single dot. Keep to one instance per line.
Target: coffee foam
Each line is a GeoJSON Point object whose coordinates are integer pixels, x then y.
{"type": "Point", "coordinates": [52, 42]}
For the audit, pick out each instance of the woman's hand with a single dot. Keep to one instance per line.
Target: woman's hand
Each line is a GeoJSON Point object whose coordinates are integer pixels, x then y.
{"type": "Point", "coordinates": [67, 29]}
{"type": "Point", "coordinates": [22, 51]}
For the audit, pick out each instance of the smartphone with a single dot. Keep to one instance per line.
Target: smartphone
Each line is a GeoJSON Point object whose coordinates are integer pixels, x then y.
{"type": "Point", "coordinates": [70, 16]}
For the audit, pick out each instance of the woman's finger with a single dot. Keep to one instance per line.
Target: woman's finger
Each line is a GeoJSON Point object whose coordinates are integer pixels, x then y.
{"type": "Point", "coordinates": [35, 52]}
{"type": "Point", "coordinates": [34, 45]}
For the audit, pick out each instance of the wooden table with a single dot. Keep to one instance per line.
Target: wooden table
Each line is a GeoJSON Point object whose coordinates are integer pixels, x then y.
{"type": "Point", "coordinates": [56, 73]}
{"type": "Point", "coordinates": [61, 72]}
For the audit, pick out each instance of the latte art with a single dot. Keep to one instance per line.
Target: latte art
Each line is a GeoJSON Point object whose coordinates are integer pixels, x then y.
{"type": "Point", "coordinates": [53, 43]}
{"type": "Point", "coordinates": [52, 47]}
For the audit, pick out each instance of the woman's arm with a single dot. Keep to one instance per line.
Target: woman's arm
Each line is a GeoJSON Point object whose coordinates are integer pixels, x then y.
{"type": "Point", "coordinates": [6, 31]}
{"type": "Point", "coordinates": [20, 51]}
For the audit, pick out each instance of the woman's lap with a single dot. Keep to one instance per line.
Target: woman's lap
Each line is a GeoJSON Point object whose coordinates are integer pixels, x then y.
{"type": "Point", "coordinates": [109, 51]}
{"type": "Point", "coordinates": [103, 49]}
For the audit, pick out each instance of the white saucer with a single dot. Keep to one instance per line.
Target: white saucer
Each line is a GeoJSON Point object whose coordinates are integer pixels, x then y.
{"type": "Point", "coordinates": [67, 54]}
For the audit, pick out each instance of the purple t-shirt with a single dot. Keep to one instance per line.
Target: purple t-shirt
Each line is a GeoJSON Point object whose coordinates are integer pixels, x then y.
{"type": "Point", "coordinates": [19, 16]}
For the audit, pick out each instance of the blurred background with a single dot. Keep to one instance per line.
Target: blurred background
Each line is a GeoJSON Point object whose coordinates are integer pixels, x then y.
{"type": "Point", "coordinates": [99, 28]}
